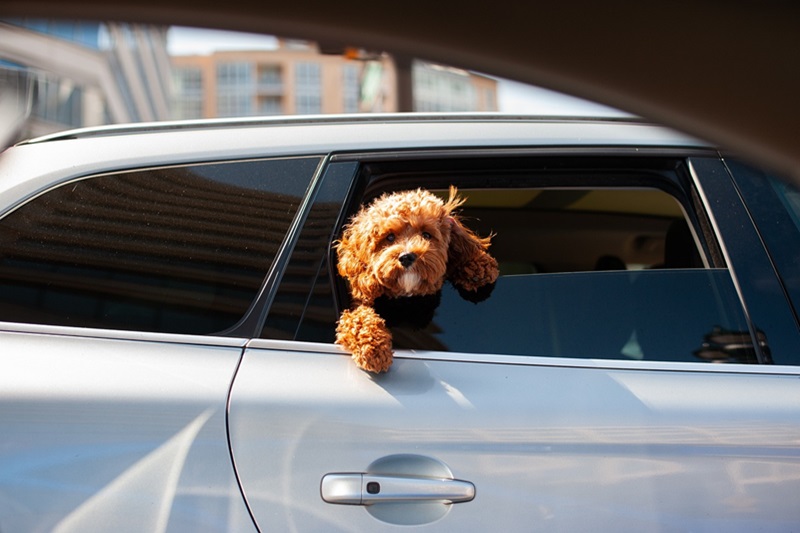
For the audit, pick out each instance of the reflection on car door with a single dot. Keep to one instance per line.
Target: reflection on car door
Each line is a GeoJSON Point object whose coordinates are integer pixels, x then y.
{"type": "Point", "coordinates": [549, 444]}
{"type": "Point", "coordinates": [114, 434]}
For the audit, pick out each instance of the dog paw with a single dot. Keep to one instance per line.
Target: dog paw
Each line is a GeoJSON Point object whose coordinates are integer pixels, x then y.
{"type": "Point", "coordinates": [375, 359]}
{"type": "Point", "coordinates": [477, 273]}
{"type": "Point", "coordinates": [364, 334]}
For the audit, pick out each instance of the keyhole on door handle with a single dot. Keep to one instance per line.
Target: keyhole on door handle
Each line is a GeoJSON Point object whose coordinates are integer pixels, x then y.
{"type": "Point", "coordinates": [373, 487]}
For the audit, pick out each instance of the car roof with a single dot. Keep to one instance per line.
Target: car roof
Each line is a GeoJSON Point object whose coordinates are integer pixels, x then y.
{"type": "Point", "coordinates": [33, 166]}
{"type": "Point", "coordinates": [582, 130]}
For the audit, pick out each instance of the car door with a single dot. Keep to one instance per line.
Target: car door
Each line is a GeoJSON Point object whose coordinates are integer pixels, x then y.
{"type": "Point", "coordinates": [124, 299]}
{"type": "Point", "coordinates": [571, 399]}
{"type": "Point", "coordinates": [103, 432]}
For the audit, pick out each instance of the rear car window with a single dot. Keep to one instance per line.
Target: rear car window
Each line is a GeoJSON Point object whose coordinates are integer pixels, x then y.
{"type": "Point", "coordinates": [598, 262]}
{"type": "Point", "coordinates": [177, 250]}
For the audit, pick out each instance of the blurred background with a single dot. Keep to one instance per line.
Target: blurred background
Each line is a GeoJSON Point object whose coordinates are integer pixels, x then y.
{"type": "Point", "coordinates": [57, 75]}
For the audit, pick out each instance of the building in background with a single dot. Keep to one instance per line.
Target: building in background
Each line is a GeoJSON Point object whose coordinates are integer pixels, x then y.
{"type": "Point", "coordinates": [296, 78]}
{"type": "Point", "coordinates": [445, 89]}
{"type": "Point", "coordinates": [292, 79]}
{"type": "Point", "coordinates": [85, 73]}
{"type": "Point", "coordinates": [89, 73]}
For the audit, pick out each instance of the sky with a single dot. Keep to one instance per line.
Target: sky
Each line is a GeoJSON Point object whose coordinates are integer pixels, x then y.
{"type": "Point", "coordinates": [513, 97]}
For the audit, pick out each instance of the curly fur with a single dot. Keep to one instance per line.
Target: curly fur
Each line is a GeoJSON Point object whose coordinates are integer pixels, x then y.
{"type": "Point", "coordinates": [404, 244]}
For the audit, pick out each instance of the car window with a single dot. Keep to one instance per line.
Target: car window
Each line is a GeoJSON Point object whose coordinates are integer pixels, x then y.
{"type": "Point", "coordinates": [179, 250]}
{"type": "Point", "coordinates": [775, 206]}
{"type": "Point", "coordinates": [603, 265]}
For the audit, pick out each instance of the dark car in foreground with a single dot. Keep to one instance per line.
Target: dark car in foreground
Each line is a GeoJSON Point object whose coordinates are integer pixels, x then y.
{"type": "Point", "coordinates": [169, 302]}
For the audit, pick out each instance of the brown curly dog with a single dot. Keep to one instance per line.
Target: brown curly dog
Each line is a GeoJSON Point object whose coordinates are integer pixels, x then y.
{"type": "Point", "coordinates": [404, 244]}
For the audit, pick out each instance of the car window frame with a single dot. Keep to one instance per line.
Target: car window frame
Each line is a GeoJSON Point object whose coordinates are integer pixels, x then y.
{"type": "Point", "coordinates": [701, 210]}
{"type": "Point", "coordinates": [776, 222]}
{"type": "Point", "coordinates": [753, 273]}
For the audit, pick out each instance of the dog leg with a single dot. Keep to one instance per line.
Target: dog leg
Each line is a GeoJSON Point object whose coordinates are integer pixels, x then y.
{"type": "Point", "coordinates": [363, 333]}
{"type": "Point", "coordinates": [470, 266]}
{"type": "Point", "coordinates": [472, 269]}
{"type": "Point", "coordinates": [479, 271]}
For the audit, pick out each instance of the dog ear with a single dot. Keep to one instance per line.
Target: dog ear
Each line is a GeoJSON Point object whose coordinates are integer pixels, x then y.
{"type": "Point", "coordinates": [352, 263]}
{"type": "Point", "coordinates": [470, 267]}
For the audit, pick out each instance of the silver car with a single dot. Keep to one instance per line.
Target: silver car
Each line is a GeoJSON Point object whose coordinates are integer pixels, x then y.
{"type": "Point", "coordinates": [169, 299]}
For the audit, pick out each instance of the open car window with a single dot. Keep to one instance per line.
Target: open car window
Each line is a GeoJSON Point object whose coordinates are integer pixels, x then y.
{"type": "Point", "coordinates": [606, 265]}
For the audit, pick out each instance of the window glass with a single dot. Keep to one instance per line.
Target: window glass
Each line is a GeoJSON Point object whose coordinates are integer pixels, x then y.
{"type": "Point", "coordinates": [234, 89]}
{"type": "Point", "coordinates": [308, 94]}
{"type": "Point", "coordinates": [775, 206]}
{"type": "Point", "coordinates": [179, 250]}
{"type": "Point", "coordinates": [303, 307]}
{"type": "Point", "coordinates": [657, 315]}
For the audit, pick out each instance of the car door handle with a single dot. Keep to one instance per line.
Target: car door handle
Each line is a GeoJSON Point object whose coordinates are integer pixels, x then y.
{"type": "Point", "coordinates": [368, 489]}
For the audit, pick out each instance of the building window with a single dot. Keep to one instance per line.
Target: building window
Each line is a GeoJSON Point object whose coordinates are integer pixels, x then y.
{"type": "Point", "coordinates": [270, 105]}
{"type": "Point", "coordinates": [59, 101]}
{"type": "Point", "coordinates": [270, 80]}
{"type": "Point", "coordinates": [351, 87]}
{"type": "Point", "coordinates": [188, 97]}
{"type": "Point", "coordinates": [84, 33]}
{"type": "Point", "coordinates": [439, 88]}
{"type": "Point", "coordinates": [489, 100]}
{"type": "Point", "coordinates": [309, 88]}
{"type": "Point", "coordinates": [235, 89]}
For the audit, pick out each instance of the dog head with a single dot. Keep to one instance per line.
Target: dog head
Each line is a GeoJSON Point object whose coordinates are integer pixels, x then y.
{"type": "Point", "coordinates": [404, 244]}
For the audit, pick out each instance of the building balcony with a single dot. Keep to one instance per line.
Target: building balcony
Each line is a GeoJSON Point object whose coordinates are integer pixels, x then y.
{"type": "Point", "coordinates": [270, 88]}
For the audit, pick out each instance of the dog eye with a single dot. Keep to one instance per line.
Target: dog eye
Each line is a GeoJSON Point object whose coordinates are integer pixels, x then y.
{"type": "Point", "coordinates": [427, 236]}
{"type": "Point", "coordinates": [390, 237]}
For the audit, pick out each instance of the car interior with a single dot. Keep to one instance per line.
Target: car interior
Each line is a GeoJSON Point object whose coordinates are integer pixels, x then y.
{"type": "Point", "coordinates": [574, 230]}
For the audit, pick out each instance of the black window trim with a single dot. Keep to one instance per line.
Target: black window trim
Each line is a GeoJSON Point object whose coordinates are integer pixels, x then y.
{"type": "Point", "coordinates": [249, 326]}
{"type": "Point", "coordinates": [750, 266]}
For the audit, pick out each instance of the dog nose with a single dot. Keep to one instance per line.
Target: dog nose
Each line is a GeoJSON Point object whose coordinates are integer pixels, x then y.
{"type": "Point", "coordinates": [407, 259]}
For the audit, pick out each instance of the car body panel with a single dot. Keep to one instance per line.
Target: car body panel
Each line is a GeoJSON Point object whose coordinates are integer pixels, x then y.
{"type": "Point", "coordinates": [115, 434]}
{"type": "Point", "coordinates": [549, 444]}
